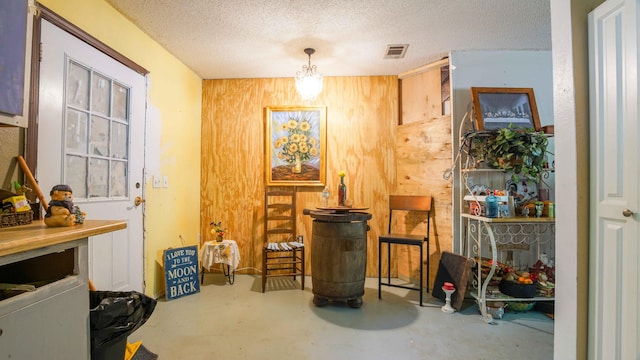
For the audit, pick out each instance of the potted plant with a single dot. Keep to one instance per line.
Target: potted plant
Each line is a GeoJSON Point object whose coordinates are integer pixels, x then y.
{"type": "Point", "coordinates": [521, 151]}
{"type": "Point", "coordinates": [217, 230]}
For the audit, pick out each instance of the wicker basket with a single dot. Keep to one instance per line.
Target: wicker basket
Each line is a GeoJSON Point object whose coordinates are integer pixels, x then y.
{"type": "Point", "coordinates": [15, 219]}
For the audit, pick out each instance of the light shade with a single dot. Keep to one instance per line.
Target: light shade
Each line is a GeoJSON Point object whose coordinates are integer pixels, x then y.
{"type": "Point", "coordinates": [309, 81]}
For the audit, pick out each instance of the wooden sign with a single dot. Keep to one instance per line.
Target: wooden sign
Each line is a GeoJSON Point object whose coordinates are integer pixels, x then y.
{"type": "Point", "coordinates": [181, 272]}
{"type": "Point", "coordinates": [455, 269]}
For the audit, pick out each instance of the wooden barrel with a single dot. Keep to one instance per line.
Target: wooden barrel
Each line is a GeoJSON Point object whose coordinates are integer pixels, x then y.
{"type": "Point", "coordinates": [339, 257]}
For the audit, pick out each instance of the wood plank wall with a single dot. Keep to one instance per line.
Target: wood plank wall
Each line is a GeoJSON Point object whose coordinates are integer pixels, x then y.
{"type": "Point", "coordinates": [362, 113]}
{"type": "Point", "coordinates": [422, 96]}
{"type": "Point", "coordinates": [423, 152]}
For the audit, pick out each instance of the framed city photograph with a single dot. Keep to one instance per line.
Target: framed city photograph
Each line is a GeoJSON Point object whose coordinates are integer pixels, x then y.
{"type": "Point", "coordinates": [497, 108]}
{"type": "Point", "coordinates": [295, 145]}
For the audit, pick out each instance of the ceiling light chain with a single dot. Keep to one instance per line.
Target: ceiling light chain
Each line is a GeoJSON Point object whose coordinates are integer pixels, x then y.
{"type": "Point", "coordinates": [309, 81]}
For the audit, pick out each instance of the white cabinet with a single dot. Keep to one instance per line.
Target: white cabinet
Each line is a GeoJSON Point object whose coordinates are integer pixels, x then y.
{"type": "Point", "coordinates": [53, 319]}
{"type": "Point", "coordinates": [51, 322]}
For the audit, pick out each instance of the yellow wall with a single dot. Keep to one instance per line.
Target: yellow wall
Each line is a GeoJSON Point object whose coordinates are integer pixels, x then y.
{"type": "Point", "coordinates": [173, 130]}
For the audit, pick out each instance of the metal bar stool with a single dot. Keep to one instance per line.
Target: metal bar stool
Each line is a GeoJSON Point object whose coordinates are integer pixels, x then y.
{"type": "Point", "coordinates": [409, 203]}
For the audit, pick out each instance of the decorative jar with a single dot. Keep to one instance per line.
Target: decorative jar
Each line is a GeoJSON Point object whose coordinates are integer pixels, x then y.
{"type": "Point", "coordinates": [342, 193]}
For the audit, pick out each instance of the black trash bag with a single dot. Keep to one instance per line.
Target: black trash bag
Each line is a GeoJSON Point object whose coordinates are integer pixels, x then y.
{"type": "Point", "coordinates": [116, 314]}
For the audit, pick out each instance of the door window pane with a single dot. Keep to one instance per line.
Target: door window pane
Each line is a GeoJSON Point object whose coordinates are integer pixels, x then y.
{"type": "Point", "coordinates": [119, 141]}
{"type": "Point", "coordinates": [96, 134]}
{"type": "Point", "coordinates": [77, 87]}
{"type": "Point", "coordinates": [76, 131]}
{"type": "Point", "coordinates": [76, 175]}
{"type": "Point", "coordinates": [120, 102]}
{"type": "Point", "coordinates": [99, 142]}
{"type": "Point", "coordinates": [118, 181]}
{"type": "Point", "coordinates": [98, 178]}
{"type": "Point", "coordinates": [100, 94]}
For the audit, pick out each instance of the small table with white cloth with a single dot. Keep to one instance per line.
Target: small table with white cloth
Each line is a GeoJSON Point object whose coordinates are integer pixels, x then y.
{"type": "Point", "coordinates": [225, 252]}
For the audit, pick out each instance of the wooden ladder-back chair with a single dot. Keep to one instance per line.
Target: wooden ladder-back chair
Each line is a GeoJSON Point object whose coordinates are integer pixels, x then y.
{"type": "Point", "coordinates": [282, 254]}
{"type": "Point", "coordinates": [407, 203]}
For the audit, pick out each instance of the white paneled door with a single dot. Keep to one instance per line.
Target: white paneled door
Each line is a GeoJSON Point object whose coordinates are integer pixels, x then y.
{"type": "Point", "coordinates": [91, 137]}
{"type": "Point", "coordinates": [614, 315]}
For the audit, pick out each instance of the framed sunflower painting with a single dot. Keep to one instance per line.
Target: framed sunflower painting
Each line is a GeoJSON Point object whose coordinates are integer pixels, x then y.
{"type": "Point", "coordinates": [295, 145]}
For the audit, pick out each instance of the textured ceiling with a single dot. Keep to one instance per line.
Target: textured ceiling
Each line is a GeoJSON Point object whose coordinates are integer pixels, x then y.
{"type": "Point", "coordinates": [222, 39]}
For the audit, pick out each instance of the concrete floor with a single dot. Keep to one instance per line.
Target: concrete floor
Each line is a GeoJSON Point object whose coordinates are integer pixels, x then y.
{"type": "Point", "coordinates": [240, 322]}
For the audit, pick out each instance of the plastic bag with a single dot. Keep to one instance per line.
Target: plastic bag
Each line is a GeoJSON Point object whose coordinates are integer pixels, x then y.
{"type": "Point", "coordinates": [116, 314]}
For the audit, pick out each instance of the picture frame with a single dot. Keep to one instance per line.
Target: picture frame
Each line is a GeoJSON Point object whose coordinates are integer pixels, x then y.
{"type": "Point", "coordinates": [15, 74]}
{"type": "Point", "coordinates": [295, 145]}
{"type": "Point", "coordinates": [497, 108]}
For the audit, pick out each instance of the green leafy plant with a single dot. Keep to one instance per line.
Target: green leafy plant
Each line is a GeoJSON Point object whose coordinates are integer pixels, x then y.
{"type": "Point", "coordinates": [521, 151]}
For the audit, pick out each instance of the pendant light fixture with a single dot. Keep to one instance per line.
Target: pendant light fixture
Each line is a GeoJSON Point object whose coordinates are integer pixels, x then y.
{"type": "Point", "coordinates": [309, 81]}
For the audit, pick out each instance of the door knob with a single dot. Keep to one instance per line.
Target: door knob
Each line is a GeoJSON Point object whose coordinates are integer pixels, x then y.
{"type": "Point", "coordinates": [138, 200]}
{"type": "Point", "coordinates": [627, 213]}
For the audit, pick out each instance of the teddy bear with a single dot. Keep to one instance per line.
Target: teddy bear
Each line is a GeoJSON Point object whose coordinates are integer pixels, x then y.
{"type": "Point", "coordinates": [61, 211]}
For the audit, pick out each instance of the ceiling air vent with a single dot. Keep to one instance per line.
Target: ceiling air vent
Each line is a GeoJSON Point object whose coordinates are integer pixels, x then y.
{"type": "Point", "coordinates": [396, 51]}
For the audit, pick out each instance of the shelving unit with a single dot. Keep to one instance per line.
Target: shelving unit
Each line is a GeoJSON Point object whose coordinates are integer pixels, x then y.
{"type": "Point", "coordinates": [527, 238]}
{"type": "Point", "coordinates": [514, 231]}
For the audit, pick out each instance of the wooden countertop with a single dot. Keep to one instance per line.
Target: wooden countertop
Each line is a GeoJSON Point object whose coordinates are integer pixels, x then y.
{"type": "Point", "coordinates": [37, 235]}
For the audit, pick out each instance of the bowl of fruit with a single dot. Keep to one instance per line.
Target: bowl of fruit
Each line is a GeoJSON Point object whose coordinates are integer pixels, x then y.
{"type": "Point", "coordinates": [518, 285]}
